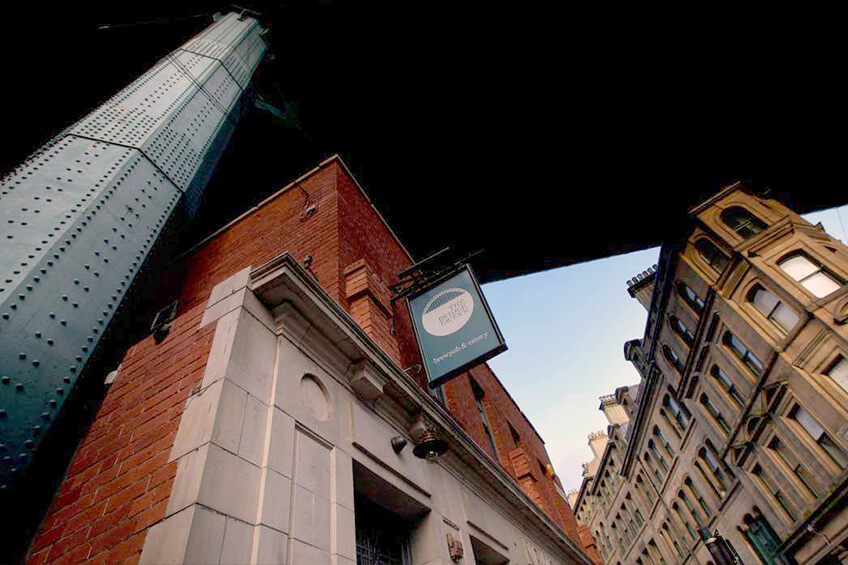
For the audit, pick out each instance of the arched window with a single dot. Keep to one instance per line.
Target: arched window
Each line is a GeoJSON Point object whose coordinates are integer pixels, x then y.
{"type": "Point", "coordinates": [683, 520]}
{"type": "Point", "coordinates": [645, 492]}
{"type": "Point", "coordinates": [768, 484]}
{"type": "Point", "coordinates": [664, 442]}
{"type": "Point", "coordinates": [673, 358]}
{"type": "Point", "coordinates": [712, 470]}
{"type": "Point", "coordinates": [654, 550]}
{"type": "Point", "coordinates": [741, 351]}
{"type": "Point", "coordinates": [778, 313]}
{"type": "Point", "coordinates": [681, 415]}
{"type": "Point", "coordinates": [690, 297]}
{"type": "Point", "coordinates": [657, 455]}
{"type": "Point", "coordinates": [742, 222]}
{"type": "Point", "coordinates": [681, 330]}
{"type": "Point", "coordinates": [715, 413]}
{"type": "Point", "coordinates": [810, 275]}
{"type": "Point", "coordinates": [761, 536]}
{"type": "Point", "coordinates": [665, 533]}
{"type": "Point", "coordinates": [711, 254]}
{"type": "Point", "coordinates": [727, 384]}
{"type": "Point", "coordinates": [649, 462]}
{"type": "Point", "coordinates": [696, 494]}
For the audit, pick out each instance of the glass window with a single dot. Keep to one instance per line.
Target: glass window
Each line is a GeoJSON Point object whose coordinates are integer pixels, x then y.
{"type": "Point", "coordinates": [810, 275]}
{"type": "Point", "coordinates": [664, 442]}
{"type": "Point", "coordinates": [741, 351]}
{"type": "Point", "coordinates": [727, 384]}
{"type": "Point", "coordinates": [772, 488]}
{"type": "Point", "coordinates": [487, 428]}
{"type": "Point", "coordinates": [839, 372]}
{"type": "Point", "coordinates": [772, 308]}
{"type": "Point", "coordinates": [715, 413]}
{"type": "Point", "coordinates": [681, 415]}
{"type": "Point", "coordinates": [690, 297]}
{"type": "Point", "coordinates": [711, 254]}
{"type": "Point", "coordinates": [681, 330]}
{"type": "Point", "coordinates": [673, 358]}
{"type": "Point", "coordinates": [816, 431]}
{"type": "Point", "coordinates": [793, 464]}
{"type": "Point", "coordinates": [743, 222]}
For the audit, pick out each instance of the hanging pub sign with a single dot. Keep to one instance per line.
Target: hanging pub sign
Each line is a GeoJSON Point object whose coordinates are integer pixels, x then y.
{"type": "Point", "coordinates": [454, 327]}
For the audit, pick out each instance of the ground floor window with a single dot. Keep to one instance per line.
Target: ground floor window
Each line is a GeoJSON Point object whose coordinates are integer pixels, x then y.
{"type": "Point", "coordinates": [382, 538]}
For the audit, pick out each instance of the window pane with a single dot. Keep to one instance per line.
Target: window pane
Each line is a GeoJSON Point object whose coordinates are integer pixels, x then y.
{"type": "Point", "coordinates": [785, 317]}
{"type": "Point", "coordinates": [808, 423]}
{"type": "Point", "coordinates": [820, 284]}
{"type": "Point", "coordinates": [764, 301]}
{"type": "Point", "coordinates": [737, 345]}
{"type": "Point", "coordinates": [798, 267]}
{"type": "Point", "coordinates": [839, 373]}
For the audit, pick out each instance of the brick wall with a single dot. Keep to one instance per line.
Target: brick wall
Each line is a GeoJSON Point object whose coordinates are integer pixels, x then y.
{"type": "Point", "coordinates": [119, 480]}
{"type": "Point", "coordinates": [523, 460]}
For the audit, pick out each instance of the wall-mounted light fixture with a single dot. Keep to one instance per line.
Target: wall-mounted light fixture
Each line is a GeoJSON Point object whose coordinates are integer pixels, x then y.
{"type": "Point", "coordinates": [398, 443]}
{"type": "Point", "coordinates": [428, 445]}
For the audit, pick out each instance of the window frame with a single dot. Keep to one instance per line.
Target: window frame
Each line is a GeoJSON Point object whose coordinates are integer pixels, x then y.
{"type": "Point", "coordinates": [691, 298]}
{"type": "Point", "coordinates": [771, 315]}
{"type": "Point", "coordinates": [819, 269]}
{"type": "Point", "coordinates": [717, 259]}
{"type": "Point", "coordinates": [743, 353]}
{"type": "Point", "coordinates": [752, 222]}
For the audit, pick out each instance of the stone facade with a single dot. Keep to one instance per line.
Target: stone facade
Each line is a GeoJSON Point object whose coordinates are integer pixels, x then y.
{"type": "Point", "coordinates": [740, 423]}
{"type": "Point", "coordinates": [260, 428]}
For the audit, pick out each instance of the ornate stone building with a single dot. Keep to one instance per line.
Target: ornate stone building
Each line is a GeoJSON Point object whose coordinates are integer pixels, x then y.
{"type": "Point", "coordinates": [738, 426]}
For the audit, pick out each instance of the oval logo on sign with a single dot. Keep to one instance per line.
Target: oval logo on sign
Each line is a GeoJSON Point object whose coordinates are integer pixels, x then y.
{"type": "Point", "coordinates": [447, 312]}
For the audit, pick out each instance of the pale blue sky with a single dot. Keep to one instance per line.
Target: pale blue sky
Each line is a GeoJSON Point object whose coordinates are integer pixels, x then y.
{"type": "Point", "coordinates": [566, 329]}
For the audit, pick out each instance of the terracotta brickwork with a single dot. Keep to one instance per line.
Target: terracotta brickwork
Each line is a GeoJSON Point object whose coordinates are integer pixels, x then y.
{"type": "Point", "coordinates": [119, 480]}
{"type": "Point", "coordinates": [525, 459]}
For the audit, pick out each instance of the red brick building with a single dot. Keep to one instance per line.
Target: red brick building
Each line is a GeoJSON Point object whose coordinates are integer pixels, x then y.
{"type": "Point", "coordinates": [124, 479]}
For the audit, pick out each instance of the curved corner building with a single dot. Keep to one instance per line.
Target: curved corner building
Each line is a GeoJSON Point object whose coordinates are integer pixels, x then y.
{"type": "Point", "coordinates": [80, 216]}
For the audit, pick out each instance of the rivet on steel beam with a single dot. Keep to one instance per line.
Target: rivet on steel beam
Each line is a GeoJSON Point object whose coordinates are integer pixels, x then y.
{"type": "Point", "coordinates": [2, 415]}
{"type": "Point", "coordinates": [52, 315]}
{"type": "Point", "coordinates": [29, 444]}
{"type": "Point", "coordinates": [36, 430]}
{"type": "Point", "coordinates": [72, 369]}
{"type": "Point", "coordinates": [36, 362]}
{"type": "Point", "coordinates": [45, 415]}
{"type": "Point", "coordinates": [60, 391]}
{"type": "Point", "coordinates": [65, 297]}
{"type": "Point", "coordinates": [19, 387]}
{"type": "Point", "coordinates": [5, 380]}
{"type": "Point", "coordinates": [38, 334]}
{"type": "Point", "coordinates": [49, 342]}
{"type": "Point", "coordinates": [22, 355]}
{"type": "Point", "coordinates": [63, 322]}
{"type": "Point", "coordinates": [5, 315]}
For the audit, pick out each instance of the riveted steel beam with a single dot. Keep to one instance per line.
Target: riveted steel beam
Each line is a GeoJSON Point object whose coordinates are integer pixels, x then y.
{"type": "Point", "coordinates": [80, 216]}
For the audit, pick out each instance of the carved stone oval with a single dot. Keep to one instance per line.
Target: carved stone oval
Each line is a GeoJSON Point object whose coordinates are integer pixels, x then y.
{"type": "Point", "coordinates": [315, 397]}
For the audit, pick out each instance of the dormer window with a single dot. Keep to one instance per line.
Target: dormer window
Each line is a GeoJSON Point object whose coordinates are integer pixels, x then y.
{"type": "Point", "coordinates": [743, 222]}
{"type": "Point", "coordinates": [810, 275]}
{"type": "Point", "coordinates": [711, 254]}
